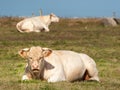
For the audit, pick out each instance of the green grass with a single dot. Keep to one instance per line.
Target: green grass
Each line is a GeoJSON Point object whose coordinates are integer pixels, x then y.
{"type": "Point", "coordinates": [100, 42]}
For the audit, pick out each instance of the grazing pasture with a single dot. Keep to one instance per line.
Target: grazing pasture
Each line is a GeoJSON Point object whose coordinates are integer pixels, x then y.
{"type": "Point", "coordinates": [88, 36]}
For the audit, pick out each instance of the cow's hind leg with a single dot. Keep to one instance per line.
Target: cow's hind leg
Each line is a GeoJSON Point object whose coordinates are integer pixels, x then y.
{"type": "Point", "coordinates": [91, 76]}
{"type": "Point", "coordinates": [86, 76]}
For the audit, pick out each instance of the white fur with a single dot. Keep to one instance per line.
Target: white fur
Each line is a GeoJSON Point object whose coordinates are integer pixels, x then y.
{"type": "Point", "coordinates": [25, 77]}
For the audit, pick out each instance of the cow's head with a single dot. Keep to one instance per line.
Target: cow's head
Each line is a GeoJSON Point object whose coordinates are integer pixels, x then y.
{"type": "Point", "coordinates": [54, 18]}
{"type": "Point", "coordinates": [35, 57]}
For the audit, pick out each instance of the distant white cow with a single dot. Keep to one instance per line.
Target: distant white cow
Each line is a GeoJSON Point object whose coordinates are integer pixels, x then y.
{"type": "Point", "coordinates": [58, 65]}
{"type": "Point", "coordinates": [36, 24]}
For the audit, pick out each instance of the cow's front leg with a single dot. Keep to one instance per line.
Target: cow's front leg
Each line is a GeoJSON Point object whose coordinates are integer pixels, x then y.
{"type": "Point", "coordinates": [27, 77]}
{"type": "Point", "coordinates": [46, 28]}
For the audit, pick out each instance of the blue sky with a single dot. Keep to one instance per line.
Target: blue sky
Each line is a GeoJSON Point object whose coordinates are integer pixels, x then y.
{"type": "Point", "coordinates": [62, 8]}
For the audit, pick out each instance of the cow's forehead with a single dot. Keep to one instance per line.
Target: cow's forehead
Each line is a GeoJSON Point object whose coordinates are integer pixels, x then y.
{"type": "Point", "coordinates": [35, 52]}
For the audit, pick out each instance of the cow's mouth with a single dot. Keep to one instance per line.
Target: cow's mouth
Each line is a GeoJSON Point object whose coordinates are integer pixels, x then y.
{"type": "Point", "coordinates": [35, 70]}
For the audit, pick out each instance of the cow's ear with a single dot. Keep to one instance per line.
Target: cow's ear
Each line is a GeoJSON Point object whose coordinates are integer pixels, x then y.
{"type": "Point", "coordinates": [23, 52]}
{"type": "Point", "coordinates": [46, 52]}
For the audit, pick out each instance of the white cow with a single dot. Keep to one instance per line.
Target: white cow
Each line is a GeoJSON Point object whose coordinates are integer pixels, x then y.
{"type": "Point", "coordinates": [36, 24]}
{"type": "Point", "coordinates": [58, 65]}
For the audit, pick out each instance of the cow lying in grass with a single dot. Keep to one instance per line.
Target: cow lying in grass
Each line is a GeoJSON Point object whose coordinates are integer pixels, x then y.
{"type": "Point", "coordinates": [58, 65]}
{"type": "Point", "coordinates": [36, 24]}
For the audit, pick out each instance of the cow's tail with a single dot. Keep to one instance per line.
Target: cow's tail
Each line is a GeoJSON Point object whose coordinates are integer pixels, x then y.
{"type": "Point", "coordinates": [18, 26]}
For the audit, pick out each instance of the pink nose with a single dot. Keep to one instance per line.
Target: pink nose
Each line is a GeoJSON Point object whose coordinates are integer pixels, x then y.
{"type": "Point", "coordinates": [35, 65]}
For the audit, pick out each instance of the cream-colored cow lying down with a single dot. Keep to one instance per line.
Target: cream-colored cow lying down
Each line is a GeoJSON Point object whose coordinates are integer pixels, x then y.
{"type": "Point", "coordinates": [36, 24]}
{"type": "Point", "coordinates": [58, 65]}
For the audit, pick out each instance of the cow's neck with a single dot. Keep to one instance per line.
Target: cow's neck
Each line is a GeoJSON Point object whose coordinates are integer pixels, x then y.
{"type": "Point", "coordinates": [46, 19]}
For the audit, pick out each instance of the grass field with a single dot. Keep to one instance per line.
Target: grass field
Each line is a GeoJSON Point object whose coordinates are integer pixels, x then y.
{"type": "Point", "coordinates": [100, 42]}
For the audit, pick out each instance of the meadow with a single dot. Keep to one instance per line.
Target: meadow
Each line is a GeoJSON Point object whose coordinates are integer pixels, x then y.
{"type": "Point", "coordinates": [89, 36]}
